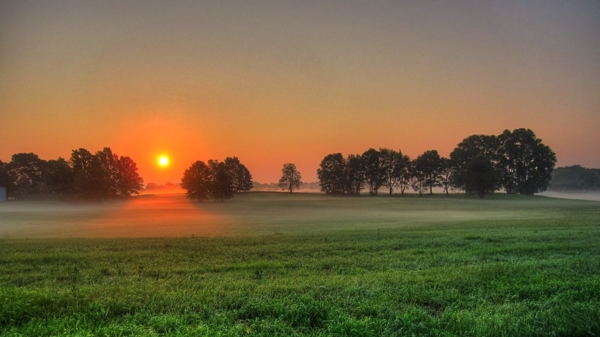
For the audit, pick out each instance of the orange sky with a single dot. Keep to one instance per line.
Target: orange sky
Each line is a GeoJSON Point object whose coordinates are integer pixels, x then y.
{"type": "Point", "coordinates": [277, 82]}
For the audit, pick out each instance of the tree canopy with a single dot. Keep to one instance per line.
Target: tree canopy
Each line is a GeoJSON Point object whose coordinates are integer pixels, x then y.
{"type": "Point", "coordinates": [290, 177]}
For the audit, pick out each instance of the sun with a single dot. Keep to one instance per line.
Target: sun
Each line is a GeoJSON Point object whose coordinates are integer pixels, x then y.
{"type": "Point", "coordinates": [163, 161]}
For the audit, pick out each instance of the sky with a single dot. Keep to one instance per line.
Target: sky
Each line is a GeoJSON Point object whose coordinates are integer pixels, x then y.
{"type": "Point", "coordinates": [275, 82]}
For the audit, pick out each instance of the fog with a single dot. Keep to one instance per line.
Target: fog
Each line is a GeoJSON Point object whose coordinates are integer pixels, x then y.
{"type": "Point", "coordinates": [576, 196]}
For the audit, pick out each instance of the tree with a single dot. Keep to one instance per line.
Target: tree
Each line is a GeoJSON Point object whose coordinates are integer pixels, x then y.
{"type": "Point", "coordinates": [104, 174]}
{"type": "Point", "coordinates": [25, 171]}
{"type": "Point", "coordinates": [446, 174]}
{"type": "Point", "coordinates": [481, 177]}
{"type": "Point", "coordinates": [373, 169]}
{"type": "Point", "coordinates": [468, 149]}
{"type": "Point", "coordinates": [221, 187]}
{"type": "Point", "coordinates": [354, 174]}
{"type": "Point", "coordinates": [332, 174]}
{"type": "Point", "coordinates": [405, 173]}
{"type": "Point", "coordinates": [391, 164]}
{"type": "Point", "coordinates": [290, 178]}
{"type": "Point", "coordinates": [241, 179]}
{"type": "Point", "coordinates": [589, 180]}
{"type": "Point", "coordinates": [57, 176]}
{"type": "Point", "coordinates": [197, 181]}
{"type": "Point", "coordinates": [526, 164]}
{"type": "Point", "coordinates": [417, 177]}
{"type": "Point", "coordinates": [127, 179]}
{"type": "Point", "coordinates": [429, 166]}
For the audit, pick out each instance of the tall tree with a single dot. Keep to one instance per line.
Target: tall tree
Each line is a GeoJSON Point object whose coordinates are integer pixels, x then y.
{"type": "Point", "coordinates": [429, 164]}
{"type": "Point", "coordinates": [392, 165]}
{"type": "Point", "coordinates": [354, 174]}
{"type": "Point", "coordinates": [26, 172]}
{"type": "Point", "coordinates": [57, 176]}
{"type": "Point", "coordinates": [331, 174]}
{"type": "Point", "coordinates": [241, 179]}
{"type": "Point", "coordinates": [197, 180]}
{"type": "Point", "coordinates": [291, 178]}
{"type": "Point", "coordinates": [221, 187]}
{"type": "Point", "coordinates": [417, 177]}
{"type": "Point", "coordinates": [405, 174]}
{"type": "Point", "coordinates": [526, 163]}
{"type": "Point", "coordinates": [481, 177]}
{"type": "Point", "coordinates": [373, 169]}
{"type": "Point", "coordinates": [466, 150]}
{"type": "Point", "coordinates": [446, 174]}
{"type": "Point", "coordinates": [127, 179]}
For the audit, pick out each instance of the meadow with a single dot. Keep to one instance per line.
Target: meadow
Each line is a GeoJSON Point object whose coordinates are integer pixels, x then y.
{"type": "Point", "coordinates": [274, 264]}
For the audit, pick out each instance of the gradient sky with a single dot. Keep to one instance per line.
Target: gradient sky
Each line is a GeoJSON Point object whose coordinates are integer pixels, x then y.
{"type": "Point", "coordinates": [273, 82]}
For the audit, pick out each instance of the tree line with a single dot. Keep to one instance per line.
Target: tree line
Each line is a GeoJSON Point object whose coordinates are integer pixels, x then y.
{"type": "Point", "coordinates": [516, 161]}
{"type": "Point", "coordinates": [97, 176]}
{"type": "Point", "coordinates": [575, 179]}
{"type": "Point", "coordinates": [216, 180]}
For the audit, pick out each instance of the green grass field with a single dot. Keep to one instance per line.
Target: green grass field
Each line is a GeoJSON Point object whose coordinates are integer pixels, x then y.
{"type": "Point", "coordinates": [275, 264]}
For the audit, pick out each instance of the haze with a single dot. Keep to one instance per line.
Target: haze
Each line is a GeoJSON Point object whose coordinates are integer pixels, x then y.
{"type": "Point", "coordinates": [278, 82]}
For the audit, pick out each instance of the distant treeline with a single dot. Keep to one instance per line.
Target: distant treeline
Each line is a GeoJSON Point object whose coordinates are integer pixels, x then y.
{"type": "Point", "coordinates": [275, 186]}
{"type": "Point", "coordinates": [575, 178]}
{"type": "Point", "coordinates": [97, 176]}
{"type": "Point", "coordinates": [215, 180]}
{"type": "Point", "coordinates": [516, 161]}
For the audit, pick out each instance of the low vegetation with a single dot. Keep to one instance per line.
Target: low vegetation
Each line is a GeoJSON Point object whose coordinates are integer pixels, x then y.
{"type": "Point", "coordinates": [508, 266]}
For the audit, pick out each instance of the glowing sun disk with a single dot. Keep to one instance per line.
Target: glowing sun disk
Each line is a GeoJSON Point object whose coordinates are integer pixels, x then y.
{"type": "Point", "coordinates": [163, 161]}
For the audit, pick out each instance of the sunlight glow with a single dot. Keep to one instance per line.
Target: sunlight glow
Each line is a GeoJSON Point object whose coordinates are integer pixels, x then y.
{"type": "Point", "coordinates": [163, 161]}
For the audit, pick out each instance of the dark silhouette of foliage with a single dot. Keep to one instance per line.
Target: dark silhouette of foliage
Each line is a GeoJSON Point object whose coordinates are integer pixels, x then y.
{"type": "Point", "coordinates": [197, 181]}
{"type": "Point", "coordinates": [26, 173]}
{"type": "Point", "coordinates": [241, 179]}
{"type": "Point", "coordinates": [526, 164]}
{"type": "Point", "coordinates": [104, 174]}
{"type": "Point", "coordinates": [446, 174]}
{"type": "Point", "coordinates": [221, 187]}
{"type": "Point", "coordinates": [57, 176]}
{"type": "Point", "coordinates": [569, 178]}
{"type": "Point", "coordinates": [428, 168]}
{"type": "Point", "coordinates": [395, 166]}
{"type": "Point", "coordinates": [291, 178]}
{"type": "Point", "coordinates": [332, 174]}
{"type": "Point", "coordinates": [468, 149]}
{"type": "Point", "coordinates": [589, 181]}
{"type": "Point", "coordinates": [481, 178]}
{"type": "Point", "coordinates": [354, 174]}
{"type": "Point", "coordinates": [373, 170]}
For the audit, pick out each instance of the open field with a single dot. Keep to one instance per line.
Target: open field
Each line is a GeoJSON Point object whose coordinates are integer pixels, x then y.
{"type": "Point", "coordinates": [276, 264]}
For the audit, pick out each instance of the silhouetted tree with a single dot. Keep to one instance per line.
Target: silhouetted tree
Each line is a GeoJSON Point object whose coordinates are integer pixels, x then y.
{"type": "Point", "coordinates": [26, 170]}
{"type": "Point", "coordinates": [429, 165]}
{"type": "Point", "coordinates": [373, 169]}
{"type": "Point", "coordinates": [354, 174]}
{"type": "Point", "coordinates": [526, 164]}
{"type": "Point", "coordinates": [332, 174]}
{"type": "Point", "coordinates": [481, 177]}
{"type": "Point", "coordinates": [446, 174]}
{"type": "Point", "coordinates": [417, 177]}
{"type": "Point", "coordinates": [104, 174]}
{"type": "Point", "coordinates": [468, 149]}
{"type": "Point", "coordinates": [405, 174]}
{"type": "Point", "coordinates": [241, 179]}
{"type": "Point", "coordinates": [393, 165]}
{"type": "Point", "coordinates": [291, 179]}
{"type": "Point", "coordinates": [221, 187]}
{"type": "Point", "coordinates": [589, 181]}
{"type": "Point", "coordinates": [197, 181]}
{"type": "Point", "coordinates": [57, 177]}
{"type": "Point", "coordinates": [127, 179]}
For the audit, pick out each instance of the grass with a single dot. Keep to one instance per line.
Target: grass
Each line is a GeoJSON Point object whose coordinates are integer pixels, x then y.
{"type": "Point", "coordinates": [315, 266]}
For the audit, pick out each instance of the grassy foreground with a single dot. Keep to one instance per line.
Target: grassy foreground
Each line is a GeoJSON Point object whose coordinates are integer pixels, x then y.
{"type": "Point", "coordinates": [510, 266]}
